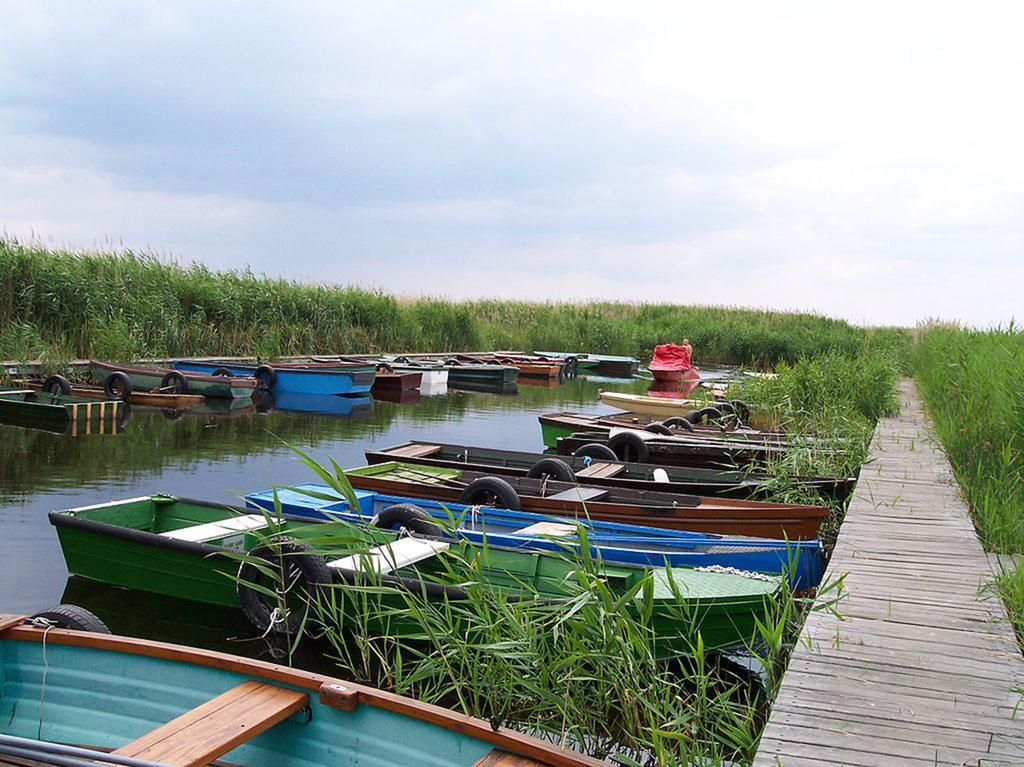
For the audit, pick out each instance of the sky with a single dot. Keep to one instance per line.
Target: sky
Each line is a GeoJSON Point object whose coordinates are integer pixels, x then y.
{"type": "Point", "coordinates": [862, 160]}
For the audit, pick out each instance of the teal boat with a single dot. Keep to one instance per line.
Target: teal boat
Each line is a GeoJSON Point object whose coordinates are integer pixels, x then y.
{"type": "Point", "coordinates": [221, 385]}
{"type": "Point", "coordinates": [138, 703]}
{"type": "Point", "coordinates": [191, 550]}
{"type": "Point", "coordinates": [61, 413]}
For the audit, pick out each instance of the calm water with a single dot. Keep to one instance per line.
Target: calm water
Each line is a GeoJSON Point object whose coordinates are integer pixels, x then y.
{"type": "Point", "coordinates": [219, 457]}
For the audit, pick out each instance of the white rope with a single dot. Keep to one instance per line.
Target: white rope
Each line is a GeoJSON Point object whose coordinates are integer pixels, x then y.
{"type": "Point", "coordinates": [46, 624]}
{"type": "Point", "coordinates": [275, 618]}
{"type": "Point", "coordinates": [734, 571]}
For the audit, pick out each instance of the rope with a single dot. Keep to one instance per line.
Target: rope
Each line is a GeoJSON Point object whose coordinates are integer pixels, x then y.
{"type": "Point", "coordinates": [46, 624]}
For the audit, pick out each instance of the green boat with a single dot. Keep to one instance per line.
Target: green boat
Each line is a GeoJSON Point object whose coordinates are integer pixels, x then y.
{"type": "Point", "coordinates": [190, 550]}
{"type": "Point", "coordinates": [176, 381]}
{"type": "Point", "coordinates": [61, 413]}
{"type": "Point", "coordinates": [153, 703]}
{"type": "Point", "coordinates": [597, 364]}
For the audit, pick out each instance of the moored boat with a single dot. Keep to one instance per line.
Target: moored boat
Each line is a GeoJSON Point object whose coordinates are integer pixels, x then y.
{"type": "Point", "coordinates": [149, 703]}
{"type": "Point", "coordinates": [657, 406]}
{"type": "Point", "coordinates": [336, 378]}
{"type": "Point", "coordinates": [190, 549]}
{"type": "Point", "coordinates": [671, 362]}
{"type": "Point", "coordinates": [717, 426]}
{"type": "Point", "coordinates": [166, 380]}
{"type": "Point", "coordinates": [61, 413]}
{"type": "Point", "coordinates": [394, 381]}
{"type": "Point", "coordinates": [545, 495]}
{"type": "Point", "coordinates": [597, 364]}
{"type": "Point", "coordinates": [801, 561]}
{"type": "Point", "coordinates": [603, 471]}
{"type": "Point", "coordinates": [139, 398]}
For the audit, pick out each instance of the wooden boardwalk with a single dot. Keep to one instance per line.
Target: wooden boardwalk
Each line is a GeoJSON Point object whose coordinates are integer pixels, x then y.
{"type": "Point", "coordinates": [923, 668]}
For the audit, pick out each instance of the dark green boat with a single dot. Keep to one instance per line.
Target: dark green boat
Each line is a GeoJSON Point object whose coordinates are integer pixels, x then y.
{"type": "Point", "coordinates": [61, 413]}
{"type": "Point", "coordinates": [183, 548]}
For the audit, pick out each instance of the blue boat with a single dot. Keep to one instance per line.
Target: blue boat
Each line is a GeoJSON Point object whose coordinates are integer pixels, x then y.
{"type": "Point", "coordinates": [70, 696]}
{"type": "Point", "coordinates": [804, 561]}
{"type": "Point", "coordinates": [341, 378]}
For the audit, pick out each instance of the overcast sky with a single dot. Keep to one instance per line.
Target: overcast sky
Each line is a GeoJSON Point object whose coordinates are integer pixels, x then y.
{"type": "Point", "coordinates": [864, 160]}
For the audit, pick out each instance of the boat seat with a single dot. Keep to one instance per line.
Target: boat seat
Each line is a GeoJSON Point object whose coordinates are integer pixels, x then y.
{"type": "Point", "coordinates": [391, 556]}
{"type": "Point", "coordinates": [600, 469]}
{"type": "Point", "coordinates": [214, 728]}
{"type": "Point", "coordinates": [498, 758]}
{"type": "Point", "coordinates": [222, 528]}
{"type": "Point", "coordinates": [579, 494]}
{"type": "Point", "coordinates": [415, 451]}
{"type": "Point", "coordinates": [556, 529]}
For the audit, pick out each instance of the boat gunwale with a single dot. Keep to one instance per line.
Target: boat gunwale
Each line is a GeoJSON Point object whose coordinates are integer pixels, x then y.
{"type": "Point", "coordinates": [348, 697]}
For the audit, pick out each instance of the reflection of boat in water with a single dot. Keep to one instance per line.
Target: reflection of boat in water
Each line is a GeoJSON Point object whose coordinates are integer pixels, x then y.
{"type": "Point", "coordinates": [221, 408]}
{"type": "Point", "coordinates": [316, 404]}
{"type": "Point", "coordinates": [540, 383]}
{"type": "Point", "coordinates": [484, 386]}
{"type": "Point", "coordinates": [398, 396]}
{"type": "Point", "coordinates": [677, 389]}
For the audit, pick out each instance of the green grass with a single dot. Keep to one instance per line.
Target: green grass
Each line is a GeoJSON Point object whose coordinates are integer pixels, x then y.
{"type": "Point", "coordinates": [973, 385]}
{"type": "Point", "coordinates": [58, 305]}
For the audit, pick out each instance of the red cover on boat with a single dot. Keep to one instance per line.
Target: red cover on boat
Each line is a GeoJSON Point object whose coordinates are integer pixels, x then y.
{"type": "Point", "coordinates": [671, 357]}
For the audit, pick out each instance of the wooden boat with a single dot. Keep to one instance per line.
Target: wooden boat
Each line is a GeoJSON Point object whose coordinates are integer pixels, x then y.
{"type": "Point", "coordinates": [597, 364]}
{"type": "Point", "coordinates": [139, 398]}
{"type": "Point", "coordinates": [565, 424]}
{"type": "Point", "coordinates": [803, 562]}
{"type": "Point", "coordinates": [602, 473]}
{"type": "Point", "coordinates": [656, 406]}
{"type": "Point", "coordinates": [394, 381]}
{"type": "Point", "coordinates": [613, 504]}
{"type": "Point", "coordinates": [337, 378]}
{"type": "Point", "coordinates": [184, 548]}
{"type": "Point", "coordinates": [176, 382]}
{"type": "Point", "coordinates": [149, 703]}
{"type": "Point", "coordinates": [60, 413]}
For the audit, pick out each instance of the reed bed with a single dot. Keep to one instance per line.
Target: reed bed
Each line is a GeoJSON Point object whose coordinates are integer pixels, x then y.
{"type": "Point", "coordinates": [973, 385]}
{"type": "Point", "coordinates": [56, 305]}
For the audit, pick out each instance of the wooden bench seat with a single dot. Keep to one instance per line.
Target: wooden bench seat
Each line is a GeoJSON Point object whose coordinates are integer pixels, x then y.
{"type": "Point", "coordinates": [415, 451]}
{"type": "Point", "coordinates": [210, 730]}
{"type": "Point", "coordinates": [222, 528]}
{"type": "Point", "coordinates": [579, 494]}
{"type": "Point", "coordinates": [391, 556]}
{"type": "Point", "coordinates": [601, 469]}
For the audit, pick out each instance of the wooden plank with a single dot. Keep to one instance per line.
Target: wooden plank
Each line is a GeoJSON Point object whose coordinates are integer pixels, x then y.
{"type": "Point", "coordinates": [601, 470]}
{"type": "Point", "coordinates": [415, 451]}
{"type": "Point", "coordinates": [580, 494]}
{"type": "Point", "coordinates": [6, 621]}
{"type": "Point", "coordinates": [498, 758]}
{"type": "Point", "coordinates": [923, 667]}
{"type": "Point", "coordinates": [210, 730]}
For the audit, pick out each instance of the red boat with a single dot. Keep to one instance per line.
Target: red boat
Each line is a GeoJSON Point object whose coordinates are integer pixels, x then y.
{"type": "Point", "coordinates": [671, 363]}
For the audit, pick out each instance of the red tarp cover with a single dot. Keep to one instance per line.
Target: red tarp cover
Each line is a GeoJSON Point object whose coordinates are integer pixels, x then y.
{"type": "Point", "coordinates": [671, 357]}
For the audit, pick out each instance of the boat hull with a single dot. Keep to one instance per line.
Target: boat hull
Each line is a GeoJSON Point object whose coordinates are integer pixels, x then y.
{"type": "Point", "coordinates": [141, 398]}
{"type": "Point", "coordinates": [352, 379]}
{"type": "Point", "coordinates": [146, 379]}
{"type": "Point", "coordinates": [60, 413]}
{"type": "Point", "coordinates": [105, 691]}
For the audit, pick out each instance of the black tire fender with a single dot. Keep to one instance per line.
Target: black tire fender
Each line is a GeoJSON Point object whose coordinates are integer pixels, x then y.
{"type": "Point", "coordinates": [175, 381]}
{"type": "Point", "coordinates": [222, 372]}
{"type": "Point", "coordinates": [408, 516]}
{"type": "Point", "coordinates": [266, 375]}
{"type": "Point", "coordinates": [72, 617]}
{"type": "Point", "coordinates": [312, 575]}
{"type": "Point", "coordinates": [595, 450]}
{"type": "Point", "coordinates": [678, 422]}
{"type": "Point", "coordinates": [657, 427]}
{"type": "Point", "coordinates": [553, 468]}
{"type": "Point", "coordinates": [629, 446]}
{"type": "Point", "coordinates": [118, 386]}
{"type": "Point", "coordinates": [491, 491]}
{"type": "Point", "coordinates": [742, 409]}
{"type": "Point", "coordinates": [384, 367]}
{"type": "Point", "coordinates": [53, 383]}
{"type": "Point", "coordinates": [706, 415]}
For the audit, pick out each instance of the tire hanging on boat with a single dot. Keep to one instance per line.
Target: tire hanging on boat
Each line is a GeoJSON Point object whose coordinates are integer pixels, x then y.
{"type": "Point", "coordinates": [118, 386]}
{"type": "Point", "coordinates": [742, 410]}
{"type": "Point", "coordinates": [678, 422]}
{"type": "Point", "coordinates": [629, 446]}
{"type": "Point", "coordinates": [175, 382]}
{"type": "Point", "coordinates": [222, 372]}
{"type": "Point", "coordinates": [553, 468]}
{"type": "Point", "coordinates": [572, 365]}
{"type": "Point", "coordinates": [384, 367]}
{"type": "Point", "coordinates": [72, 617]}
{"type": "Point", "coordinates": [53, 383]}
{"type": "Point", "coordinates": [491, 491]}
{"type": "Point", "coordinates": [304, 569]}
{"type": "Point", "coordinates": [657, 427]}
{"type": "Point", "coordinates": [595, 450]}
{"type": "Point", "coordinates": [706, 415]}
{"type": "Point", "coordinates": [266, 376]}
{"type": "Point", "coordinates": [407, 516]}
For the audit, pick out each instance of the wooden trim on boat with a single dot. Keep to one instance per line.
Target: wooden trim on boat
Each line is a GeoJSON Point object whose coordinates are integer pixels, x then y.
{"type": "Point", "coordinates": [518, 743]}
